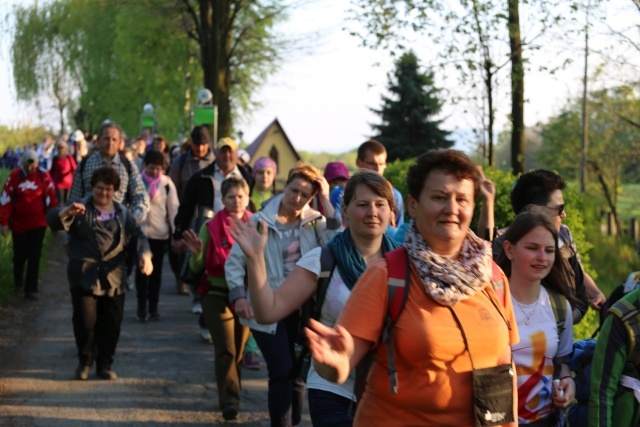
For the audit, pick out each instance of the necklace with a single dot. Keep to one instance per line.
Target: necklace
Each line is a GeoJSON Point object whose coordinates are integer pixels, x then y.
{"type": "Point", "coordinates": [528, 316]}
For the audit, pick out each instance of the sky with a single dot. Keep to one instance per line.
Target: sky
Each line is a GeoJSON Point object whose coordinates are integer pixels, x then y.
{"type": "Point", "coordinates": [323, 94]}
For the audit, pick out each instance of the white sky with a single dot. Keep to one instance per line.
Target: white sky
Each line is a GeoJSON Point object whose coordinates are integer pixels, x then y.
{"type": "Point", "coordinates": [322, 98]}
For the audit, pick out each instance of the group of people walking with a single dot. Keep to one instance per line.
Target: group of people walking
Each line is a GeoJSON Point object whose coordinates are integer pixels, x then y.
{"type": "Point", "coordinates": [416, 321]}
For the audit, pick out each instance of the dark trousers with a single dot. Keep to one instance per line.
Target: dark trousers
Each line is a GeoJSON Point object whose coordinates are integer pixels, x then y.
{"type": "Point", "coordinates": [62, 195]}
{"type": "Point", "coordinates": [329, 409]}
{"type": "Point", "coordinates": [286, 395]}
{"type": "Point", "coordinates": [229, 338]}
{"type": "Point", "coordinates": [148, 287]}
{"type": "Point", "coordinates": [27, 248]}
{"type": "Point", "coordinates": [96, 326]}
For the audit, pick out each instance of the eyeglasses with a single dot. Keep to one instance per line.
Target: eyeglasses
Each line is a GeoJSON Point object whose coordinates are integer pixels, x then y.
{"type": "Point", "coordinates": [559, 208]}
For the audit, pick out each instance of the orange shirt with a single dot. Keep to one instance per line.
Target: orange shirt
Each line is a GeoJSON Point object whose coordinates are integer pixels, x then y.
{"type": "Point", "coordinates": [434, 369]}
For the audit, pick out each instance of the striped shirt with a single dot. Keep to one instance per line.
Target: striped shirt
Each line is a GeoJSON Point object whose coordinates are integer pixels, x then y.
{"type": "Point", "coordinates": [131, 192]}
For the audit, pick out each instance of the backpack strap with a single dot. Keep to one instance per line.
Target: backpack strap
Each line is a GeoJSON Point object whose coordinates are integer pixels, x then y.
{"type": "Point", "coordinates": [628, 313]}
{"type": "Point", "coordinates": [398, 289]}
{"type": "Point", "coordinates": [327, 266]}
{"type": "Point", "coordinates": [559, 308]}
{"type": "Point", "coordinates": [497, 281]}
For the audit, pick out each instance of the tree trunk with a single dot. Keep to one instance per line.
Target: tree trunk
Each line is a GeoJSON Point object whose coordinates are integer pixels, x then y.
{"type": "Point", "coordinates": [215, 42]}
{"type": "Point", "coordinates": [489, 83]}
{"type": "Point", "coordinates": [517, 90]}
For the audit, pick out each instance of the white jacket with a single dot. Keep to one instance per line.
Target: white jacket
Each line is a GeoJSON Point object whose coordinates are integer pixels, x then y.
{"type": "Point", "coordinates": [158, 224]}
{"type": "Point", "coordinates": [315, 230]}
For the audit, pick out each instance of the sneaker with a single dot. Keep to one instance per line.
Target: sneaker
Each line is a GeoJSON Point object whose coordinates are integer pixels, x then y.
{"type": "Point", "coordinates": [251, 361]}
{"type": "Point", "coordinates": [82, 372]}
{"type": "Point", "coordinates": [230, 412]}
{"type": "Point", "coordinates": [31, 296]}
{"type": "Point", "coordinates": [107, 374]}
{"type": "Point", "coordinates": [155, 316]}
{"type": "Point", "coordinates": [205, 335]}
{"type": "Point", "coordinates": [197, 308]}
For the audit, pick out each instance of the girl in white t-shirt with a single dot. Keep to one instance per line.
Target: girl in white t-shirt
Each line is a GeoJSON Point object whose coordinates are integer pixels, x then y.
{"type": "Point", "coordinates": [531, 261]}
{"type": "Point", "coordinates": [367, 206]}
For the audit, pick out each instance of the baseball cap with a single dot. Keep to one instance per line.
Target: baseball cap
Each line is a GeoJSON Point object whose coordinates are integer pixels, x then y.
{"type": "Point", "coordinates": [77, 135]}
{"type": "Point", "coordinates": [227, 142]}
{"type": "Point", "coordinates": [244, 156]}
{"type": "Point", "coordinates": [28, 156]}
{"type": "Point", "coordinates": [335, 170]}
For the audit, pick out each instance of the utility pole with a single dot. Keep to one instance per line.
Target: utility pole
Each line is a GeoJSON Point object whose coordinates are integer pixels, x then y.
{"type": "Point", "coordinates": [585, 109]}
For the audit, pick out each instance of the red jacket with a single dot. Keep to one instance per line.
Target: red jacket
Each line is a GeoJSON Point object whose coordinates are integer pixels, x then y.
{"type": "Point", "coordinates": [25, 199]}
{"type": "Point", "coordinates": [62, 169]}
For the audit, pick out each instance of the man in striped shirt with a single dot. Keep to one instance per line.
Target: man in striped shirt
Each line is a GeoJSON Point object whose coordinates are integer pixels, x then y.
{"type": "Point", "coordinates": [131, 192]}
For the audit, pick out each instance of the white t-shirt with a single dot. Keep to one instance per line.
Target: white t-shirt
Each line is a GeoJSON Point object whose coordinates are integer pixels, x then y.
{"type": "Point", "coordinates": [335, 299]}
{"type": "Point", "coordinates": [534, 354]}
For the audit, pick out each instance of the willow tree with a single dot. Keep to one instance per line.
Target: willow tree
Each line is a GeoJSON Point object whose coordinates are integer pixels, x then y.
{"type": "Point", "coordinates": [121, 54]}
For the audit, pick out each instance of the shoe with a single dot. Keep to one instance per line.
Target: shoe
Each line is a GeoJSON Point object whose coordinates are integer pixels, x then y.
{"type": "Point", "coordinates": [107, 374]}
{"type": "Point", "coordinates": [197, 308]}
{"type": "Point", "coordinates": [251, 361]}
{"type": "Point", "coordinates": [142, 317]}
{"type": "Point", "coordinates": [183, 289]}
{"type": "Point", "coordinates": [230, 412]}
{"type": "Point", "coordinates": [155, 316]}
{"type": "Point", "coordinates": [31, 296]}
{"type": "Point", "coordinates": [205, 335]}
{"type": "Point", "coordinates": [82, 372]}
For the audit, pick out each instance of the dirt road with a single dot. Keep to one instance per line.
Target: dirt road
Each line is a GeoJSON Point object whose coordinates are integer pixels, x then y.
{"type": "Point", "coordinates": [166, 375]}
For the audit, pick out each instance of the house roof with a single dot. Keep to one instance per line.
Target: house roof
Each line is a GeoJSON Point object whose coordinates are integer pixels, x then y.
{"type": "Point", "coordinates": [253, 147]}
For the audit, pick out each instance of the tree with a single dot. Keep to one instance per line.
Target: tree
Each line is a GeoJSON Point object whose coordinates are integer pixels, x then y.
{"type": "Point", "coordinates": [408, 127]}
{"type": "Point", "coordinates": [614, 143]}
{"type": "Point", "coordinates": [119, 55]}
{"type": "Point", "coordinates": [238, 49]}
{"type": "Point", "coordinates": [473, 30]}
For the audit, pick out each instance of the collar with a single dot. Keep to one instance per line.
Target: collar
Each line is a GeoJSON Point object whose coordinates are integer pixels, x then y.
{"type": "Point", "coordinates": [234, 172]}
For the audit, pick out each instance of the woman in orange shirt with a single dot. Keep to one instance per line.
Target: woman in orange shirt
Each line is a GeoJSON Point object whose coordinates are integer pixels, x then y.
{"type": "Point", "coordinates": [454, 331]}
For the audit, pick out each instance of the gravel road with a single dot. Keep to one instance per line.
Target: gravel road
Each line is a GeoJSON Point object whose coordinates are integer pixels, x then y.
{"type": "Point", "coordinates": [166, 375]}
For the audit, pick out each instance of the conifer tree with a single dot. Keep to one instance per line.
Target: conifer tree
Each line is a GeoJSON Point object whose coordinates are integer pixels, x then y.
{"type": "Point", "coordinates": [408, 127]}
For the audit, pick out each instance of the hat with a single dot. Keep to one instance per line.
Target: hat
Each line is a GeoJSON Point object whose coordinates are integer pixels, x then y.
{"type": "Point", "coordinates": [28, 156]}
{"type": "Point", "coordinates": [244, 156]}
{"type": "Point", "coordinates": [336, 170]}
{"type": "Point", "coordinates": [264, 162]}
{"type": "Point", "coordinates": [227, 142]}
{"type": "Point", "coordinates": [77, 135]}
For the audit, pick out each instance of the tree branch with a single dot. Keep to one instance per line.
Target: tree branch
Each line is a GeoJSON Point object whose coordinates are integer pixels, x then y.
{"type": "Point", "coordinates": [196, 22]}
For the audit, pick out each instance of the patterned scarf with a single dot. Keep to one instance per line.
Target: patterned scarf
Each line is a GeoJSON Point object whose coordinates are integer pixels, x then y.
{"type": "Point", "coordinates": [152, 184]}
{"type": "Point", "coordinates": [449, 281]}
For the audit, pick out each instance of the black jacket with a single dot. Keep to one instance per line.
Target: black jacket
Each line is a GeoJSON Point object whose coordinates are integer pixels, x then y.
{"type": "Point", "coordinates": [199, 193]}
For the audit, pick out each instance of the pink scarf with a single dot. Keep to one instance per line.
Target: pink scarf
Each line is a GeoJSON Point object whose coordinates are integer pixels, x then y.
{"type": "Point", "coordinates": [152, 184]}
{"type": "Point", "coordinates": [220, 242]}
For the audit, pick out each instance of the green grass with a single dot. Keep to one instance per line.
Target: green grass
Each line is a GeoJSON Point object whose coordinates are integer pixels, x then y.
{"type": "Point", "coordinates": [629, 202]}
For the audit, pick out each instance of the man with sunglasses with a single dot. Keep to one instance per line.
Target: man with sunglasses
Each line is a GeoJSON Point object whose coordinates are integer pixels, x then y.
{"type": "Point", "coordinates": [540, 191]}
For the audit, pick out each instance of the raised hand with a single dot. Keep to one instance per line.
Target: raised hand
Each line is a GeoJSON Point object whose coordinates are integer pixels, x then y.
{"type": "Point", "coordinates": [72, 210]}
{"type": "Point", "coordinates": [192, 241]}
{"type": "Point", "coordinates": [251, 241]}
{"type": "Point", "coordinates": [487, 187]}
{"type": "Point", "coordinates": [324, 188]}
{"type": "Point", "coordinates": [332, 348]}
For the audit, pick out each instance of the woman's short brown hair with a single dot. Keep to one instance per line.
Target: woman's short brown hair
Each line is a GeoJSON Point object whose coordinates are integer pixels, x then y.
{"type": "Point", "coordinates": [451, 162]}
{"type": "Point", "coordinates": [233, 182]}
{"type": "Point", "coordinates": [106, 175]}
{"type": "Point", "coordinates": [307, 172]}
{"type": "Point", "coordinates": [376, 183]}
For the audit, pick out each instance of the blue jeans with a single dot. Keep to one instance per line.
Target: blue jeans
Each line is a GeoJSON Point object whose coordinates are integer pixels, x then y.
{"type": "Point", "coordinates": [329, 409]}
{"type": "Point", "coordinates": [286, 395]}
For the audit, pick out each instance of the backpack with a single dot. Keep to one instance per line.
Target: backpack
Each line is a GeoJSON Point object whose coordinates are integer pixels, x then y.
{"type": "Point", "coordinates": [581, 359]}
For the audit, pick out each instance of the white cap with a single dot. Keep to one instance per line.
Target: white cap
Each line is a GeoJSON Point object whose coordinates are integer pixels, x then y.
{"type": "Point", "coordinates": [77, 136]}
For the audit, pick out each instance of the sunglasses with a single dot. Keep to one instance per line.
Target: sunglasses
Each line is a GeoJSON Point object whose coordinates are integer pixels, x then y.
{"type": "Point", "coordinates": [559, 208]}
